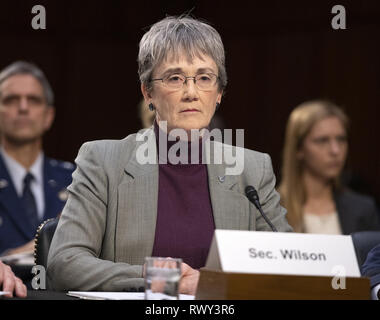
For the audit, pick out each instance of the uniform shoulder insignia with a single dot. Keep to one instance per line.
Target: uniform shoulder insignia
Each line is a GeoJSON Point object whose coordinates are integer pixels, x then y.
{"type": "Point", "coordinates": [67, 165]}
{"type": "Point", "coordinates": [3, 183]}
{"type": "Point", "coordinates": [53, 162]}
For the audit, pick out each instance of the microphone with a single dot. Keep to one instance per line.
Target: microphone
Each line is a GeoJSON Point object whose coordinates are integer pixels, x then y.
{"type": "Point", "coordinates": [252, 195]}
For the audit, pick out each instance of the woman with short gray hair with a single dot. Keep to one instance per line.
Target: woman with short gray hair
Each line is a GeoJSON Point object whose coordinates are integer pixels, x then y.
{"type": "Point", "coordinates": [121, 209]}
{"type": "Point", "coordinates": [177, 36]}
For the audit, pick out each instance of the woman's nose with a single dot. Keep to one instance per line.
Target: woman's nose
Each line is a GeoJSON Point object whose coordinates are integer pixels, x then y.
{"type": "Point", "coordinates": [190, 88]}
{"type": "Point", "coordinates": [335, 147]}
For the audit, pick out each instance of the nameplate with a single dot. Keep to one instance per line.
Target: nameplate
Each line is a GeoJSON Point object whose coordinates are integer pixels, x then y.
{"type": "Point", "coordinates": [282, 253]}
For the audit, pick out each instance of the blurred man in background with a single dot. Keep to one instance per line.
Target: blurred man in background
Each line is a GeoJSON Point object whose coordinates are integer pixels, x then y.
{"type": "Point", "coordinates": [32, 186]}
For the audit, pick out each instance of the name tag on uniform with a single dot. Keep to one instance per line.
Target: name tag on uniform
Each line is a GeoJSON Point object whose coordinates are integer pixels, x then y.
{"type": "Point", "coordinates": [282, 253]}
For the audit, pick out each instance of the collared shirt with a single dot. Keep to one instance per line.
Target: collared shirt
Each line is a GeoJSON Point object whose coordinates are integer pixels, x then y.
{"type": "Point", "coordinates": [17, 173]}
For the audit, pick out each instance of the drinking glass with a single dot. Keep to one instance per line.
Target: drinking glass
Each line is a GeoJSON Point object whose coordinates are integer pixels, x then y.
{"type": "Point", "coordinates": [162, 278]}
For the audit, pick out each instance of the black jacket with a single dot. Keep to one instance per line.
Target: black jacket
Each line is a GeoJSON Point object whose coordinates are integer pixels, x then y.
{"type": "Point", "coordinates": [356, 212]}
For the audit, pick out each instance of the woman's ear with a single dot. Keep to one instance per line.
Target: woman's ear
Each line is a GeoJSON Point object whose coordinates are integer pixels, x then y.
{"type": "Point", "coordinates": [219, 97]}
{"type": "Point", "coordinates": [145, 92]}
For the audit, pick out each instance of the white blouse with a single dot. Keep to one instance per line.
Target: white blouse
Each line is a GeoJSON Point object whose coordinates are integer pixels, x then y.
{"type": "Point", "coordinates": [322, 223]}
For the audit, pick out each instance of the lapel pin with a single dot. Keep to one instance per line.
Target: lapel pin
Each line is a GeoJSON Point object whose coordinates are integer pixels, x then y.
{"type": "Point", "coordinates": [3, 183]}
{"type": "Point", "coordinates": [221, 178]}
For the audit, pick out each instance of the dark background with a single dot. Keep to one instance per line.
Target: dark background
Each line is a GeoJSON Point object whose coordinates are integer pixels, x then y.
{"type": "Point", "coordinates": [278, 54]}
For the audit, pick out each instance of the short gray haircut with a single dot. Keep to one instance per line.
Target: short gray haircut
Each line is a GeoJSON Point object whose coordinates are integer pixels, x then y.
{"type": "Point", "coordinates": [22, 67]}
{"type": "Point", "coordinates": [171, 35]}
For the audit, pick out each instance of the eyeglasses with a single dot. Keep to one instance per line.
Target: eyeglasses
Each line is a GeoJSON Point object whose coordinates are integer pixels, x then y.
{"type": "Point", "coordinates": [203, 81]}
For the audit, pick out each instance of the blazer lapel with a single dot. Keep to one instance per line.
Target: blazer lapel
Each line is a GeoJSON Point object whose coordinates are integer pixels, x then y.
{"type": "Point", "coordinates": [137, 208]}
{"type": "Point", "coordinates": [344, 212]}
{"type": "Point", "coordinates": [230, 207]}
{"type": "Point", "coordinates": [11, 203]}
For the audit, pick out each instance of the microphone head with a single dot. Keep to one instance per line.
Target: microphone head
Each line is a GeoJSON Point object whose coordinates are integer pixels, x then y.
{"type": "Point", "coordinates": [251, 193]}
{"type": "Point", "coordinates": [253, 196]}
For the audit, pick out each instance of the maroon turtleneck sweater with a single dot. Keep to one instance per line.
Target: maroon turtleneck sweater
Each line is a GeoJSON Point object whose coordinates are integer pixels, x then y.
{"type": "Point", "coordinates": [185, 222]}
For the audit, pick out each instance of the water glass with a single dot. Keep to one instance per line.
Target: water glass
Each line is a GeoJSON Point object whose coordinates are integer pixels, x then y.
{"type": "Point", "coordinates": [162, 278]}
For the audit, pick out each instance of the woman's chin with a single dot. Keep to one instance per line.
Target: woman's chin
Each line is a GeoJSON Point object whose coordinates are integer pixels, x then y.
{"type": "Point", "coordinates": [189, 126]}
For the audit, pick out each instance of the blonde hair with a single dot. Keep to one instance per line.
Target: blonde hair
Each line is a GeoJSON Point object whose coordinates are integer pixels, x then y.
{"type": "Point", "coordinates": [300, 122]}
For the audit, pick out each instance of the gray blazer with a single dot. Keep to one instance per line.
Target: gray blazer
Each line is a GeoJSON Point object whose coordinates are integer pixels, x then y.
{"type": "Point", "coordinates": [107, 227]}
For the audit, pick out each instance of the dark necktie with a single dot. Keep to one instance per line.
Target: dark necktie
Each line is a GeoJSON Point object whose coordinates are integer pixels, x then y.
{"type": "Point", "coordinates": [29, 201]}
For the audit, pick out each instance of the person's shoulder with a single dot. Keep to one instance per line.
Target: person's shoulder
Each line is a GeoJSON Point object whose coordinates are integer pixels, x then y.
{"type": "Point", "coordinates": [59, 165]}
{"type": "Point", "coordinates": [351, 196]}
{"type": "Point", "coordinates": [58, 170]}
{"type": "Point", "coordinates": [111, 150]}
{"type": "Point", "coordinates": [253, 163]}
{"type": "Point", "coordinates": [249, 154]}
{"type": "Point", "coordinates": [257, 164]}
{"type": "Point", "coordinates": [109, 146]}
{"type": "Point", "coordinates": [255, 155]}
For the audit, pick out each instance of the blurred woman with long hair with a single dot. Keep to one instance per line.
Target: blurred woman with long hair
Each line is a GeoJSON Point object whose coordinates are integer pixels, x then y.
{"type": "Point", "coordinates": [314, 155]}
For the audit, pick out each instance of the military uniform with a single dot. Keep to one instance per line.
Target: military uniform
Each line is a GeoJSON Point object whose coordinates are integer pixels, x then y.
{"type": "Point", "coordinates": [15, 229]}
